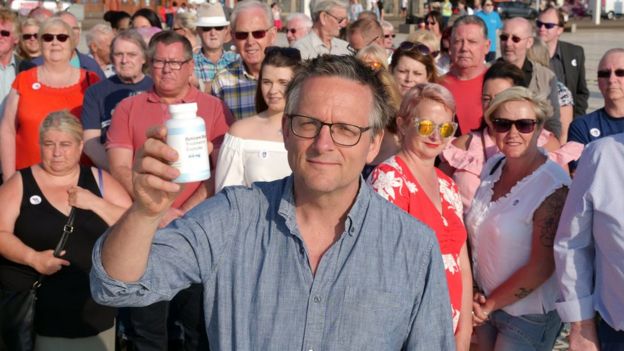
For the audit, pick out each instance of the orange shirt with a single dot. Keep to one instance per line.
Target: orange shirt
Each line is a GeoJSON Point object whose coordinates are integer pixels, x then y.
{"type": "Point", "coordinates": [36, 101]}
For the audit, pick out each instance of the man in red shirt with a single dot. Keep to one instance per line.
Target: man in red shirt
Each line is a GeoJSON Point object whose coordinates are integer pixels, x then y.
{"type": "Point", "coordinates": [469, 46]}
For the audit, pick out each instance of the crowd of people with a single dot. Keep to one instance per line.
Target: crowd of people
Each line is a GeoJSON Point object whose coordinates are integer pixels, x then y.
{"type": "Point", "coordinates": [456, 200]}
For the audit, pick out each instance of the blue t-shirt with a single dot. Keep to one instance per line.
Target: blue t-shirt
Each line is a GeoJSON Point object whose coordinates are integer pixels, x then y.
{"type": "Point", "coordinates": [493, 22]}
{"type": "Point", "coordinates": [101, 99]}
{"type": "Point", "coordinates": [594, 126]}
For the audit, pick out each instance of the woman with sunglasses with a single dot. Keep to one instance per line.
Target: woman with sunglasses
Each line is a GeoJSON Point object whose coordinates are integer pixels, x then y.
{"type": "Point", "coordinates": [412, 182]}
{"type": "Point", "coordinates": [28, 46]}
{"type": "Point", "coordinates": [512, 225]}
{"type": "Point", "coordinates": [435, 23]}
{"type": "Point", "coordinates": [412, 64]}
{"type": "Point", "coordinates": [253, 149]}
{"type": "Point", "coordinates": [53, 86]}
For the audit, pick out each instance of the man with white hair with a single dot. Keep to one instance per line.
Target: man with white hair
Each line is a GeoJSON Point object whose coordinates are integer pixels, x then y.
{"type": "Point", "coordinates": [329, 17]}
{"type": "Point", "coordinates": [99, 40]}
{"type": "Point", "coordinates": [298, 25]}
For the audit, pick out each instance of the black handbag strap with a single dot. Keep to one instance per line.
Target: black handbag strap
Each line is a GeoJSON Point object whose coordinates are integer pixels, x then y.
{"type": "Point", "coordinates": [68, 228]}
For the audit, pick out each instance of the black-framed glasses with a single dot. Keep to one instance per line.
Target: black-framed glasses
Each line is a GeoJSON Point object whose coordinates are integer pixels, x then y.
{"type": "Point", "coordinates": [606, 73]}
{"type": "Point", "coordinates": [257, 34]}
{"type": "Point", "coordinates": [338, 19]}
{"type": "Point", "coordinates": [208, 29]}
{"type": "Point", "coordinates": [342, 134]}
{"type": "Point", "coordinates": [503, 125]}
{"type": "Point", "coordinates": [29, 36]}
{"type": "Point", "coordinates": [5, 33]}
{"type": "Point", "coordinates": [426, 127]}
{"type": "Point", "coordinates": [504, 37]}
{"type": "Point", "coordinates": [47, 37]}
{"type": "Point", "coordinates": [292, 53]}
{"type": "Point", "coordinates": [174, 65]}
{"type": "Point", "coordinates": [548, 25]}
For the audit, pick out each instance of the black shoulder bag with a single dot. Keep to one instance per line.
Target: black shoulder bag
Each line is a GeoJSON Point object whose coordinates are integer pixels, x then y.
{"type": "Point", "coordinates": [17, 309]}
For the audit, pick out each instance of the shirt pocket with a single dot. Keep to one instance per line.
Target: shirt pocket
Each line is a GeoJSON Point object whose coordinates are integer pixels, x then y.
{"type": "Point", "coordinates": [374, 319]}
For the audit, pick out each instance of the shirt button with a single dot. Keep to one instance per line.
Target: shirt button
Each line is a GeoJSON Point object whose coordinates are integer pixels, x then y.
{"type": "Point", "coordinates": [317, 299]}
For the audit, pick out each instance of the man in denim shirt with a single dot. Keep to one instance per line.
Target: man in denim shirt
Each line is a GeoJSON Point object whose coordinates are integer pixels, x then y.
{"type": "Point", "coordinates": [314, 261]}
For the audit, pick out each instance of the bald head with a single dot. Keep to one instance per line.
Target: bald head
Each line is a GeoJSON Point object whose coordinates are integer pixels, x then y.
{"type": "Point", "coordinates": [516, 40]}
{"type": "Point", "coordinates": [521, 25]}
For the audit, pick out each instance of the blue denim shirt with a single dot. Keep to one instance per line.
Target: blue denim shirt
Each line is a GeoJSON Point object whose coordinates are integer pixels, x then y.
{"type": "Point", "coordinates": [380, 286]}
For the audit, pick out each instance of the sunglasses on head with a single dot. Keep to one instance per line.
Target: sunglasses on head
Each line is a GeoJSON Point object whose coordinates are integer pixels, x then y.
{"type": "Point", "coordinates": [548, 25]}
{"type": "Point", "coordinates": [408, 46]}
{"type": "Point", "coordinates": [426, 127]}
{"type": "Point", "coordinates": [208, 29]}
{"type": "Point", "coordinates": [5, 33]}
{"type": "Point", "coordinates": [288, 52]}
{"type": "Point", "coordinates": [607, 73]}
{"type": "Point", "coordinates": [257, 34]}
{"type": "Point", "coordinates": [503, 125]}
{"type": "Point", "coordinates": [504, 37]}
{"type": "Point", "coordinates": [29, 36]}
{"type": "Point", "coordinates": [47, 37]}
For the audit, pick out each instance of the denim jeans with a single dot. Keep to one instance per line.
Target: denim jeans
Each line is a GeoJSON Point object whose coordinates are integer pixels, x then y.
{"type": "Point", "coordinates": [504, 332]}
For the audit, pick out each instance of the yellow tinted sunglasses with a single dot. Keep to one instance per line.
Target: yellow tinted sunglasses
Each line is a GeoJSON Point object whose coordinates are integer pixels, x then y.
{"type": "Point", "coordinates": [426, 127]}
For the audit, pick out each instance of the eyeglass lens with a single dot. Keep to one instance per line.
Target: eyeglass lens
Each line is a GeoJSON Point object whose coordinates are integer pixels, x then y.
{"type": "Point", "coordinates": [29, 36]}
{"type": "Point", "coordinates": [504, 37]}
{"type": "Point", "coordinates": [427, 127]}
{"type": "Point", "coordinates": [47, 37]}
{"type": "Point", "coordinates": [257, 34]}
{"type": "Point", "coordinates": [502, 125]}
{"type": "Point", "coordinates": [607, 73]}
{"type": "Point", "coordinates": [548, 25]}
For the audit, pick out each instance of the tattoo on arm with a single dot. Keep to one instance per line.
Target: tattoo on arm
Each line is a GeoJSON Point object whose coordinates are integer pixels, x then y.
{"type": "Point", "coordinates": [548, 220]}
{"type": "Point", "coordinates": [522, 293]}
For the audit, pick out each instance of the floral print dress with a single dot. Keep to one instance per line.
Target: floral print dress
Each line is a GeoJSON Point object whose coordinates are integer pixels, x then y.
{"type": "Point", "coordinates": [393, 180]}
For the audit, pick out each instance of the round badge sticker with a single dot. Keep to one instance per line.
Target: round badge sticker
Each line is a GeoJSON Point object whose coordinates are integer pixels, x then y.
{"type": "Point", "coordinates": [35, 199]}
{"type": "Point", "coordinates": [36, 85]}
{"type": "Point", "coordinates": [595, 132]}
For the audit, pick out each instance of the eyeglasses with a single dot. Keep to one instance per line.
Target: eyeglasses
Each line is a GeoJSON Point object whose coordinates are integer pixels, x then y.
{"type": "Point", "coordinates": [208, 29]}
{"type": "Point", "coordinates": [387, 36]}
{"type": "Point", "coordinates": [288, 52]}
{"type": "Point", "coordinates": [426, 127]}
{"type": "Point", "coordinates": [516, 39]}
{"type": "Point", "coordinates": [342, 134]}
{"type": "Point", "coordinates": [47, 37]}
{"type": "Point", "coordinates": [257, 34]}
{"type": "Point", "coordinates": [5, 33]}
{"type": "Point", "coordinates": [174, 65]}
{"type": "Point", "coordinates": [503, 125]}
{"type": "Point", "coordinates": [422, 48]}
{"type": "Point", "coordinates": [32, 36]}
{"type": "Point", "coordinates": [338, 19]}
{"type": "Point", "coordinates": [548, 25]}
{"type": "Point", "coordinates": [607, 73]}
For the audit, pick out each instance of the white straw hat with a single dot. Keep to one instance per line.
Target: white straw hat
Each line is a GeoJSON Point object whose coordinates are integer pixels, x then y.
{"type": "Point", "coordinates": [211, 15]}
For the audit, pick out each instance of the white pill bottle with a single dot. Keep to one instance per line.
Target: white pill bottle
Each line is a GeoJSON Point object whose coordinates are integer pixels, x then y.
{"type": "Point", "coordinates": [186, 133]}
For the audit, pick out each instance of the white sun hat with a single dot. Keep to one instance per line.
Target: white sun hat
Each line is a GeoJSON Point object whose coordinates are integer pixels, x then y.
{"type": "Point", "coordinates": [211, 15]}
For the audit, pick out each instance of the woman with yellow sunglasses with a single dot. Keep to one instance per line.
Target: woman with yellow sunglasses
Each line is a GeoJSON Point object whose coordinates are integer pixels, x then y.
{"type": "Point", "coordinates": [410, 180]}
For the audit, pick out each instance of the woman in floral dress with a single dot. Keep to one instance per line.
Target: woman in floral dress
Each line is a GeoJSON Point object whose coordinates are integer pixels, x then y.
{"type": "Point", "coordinates": [411, 181]}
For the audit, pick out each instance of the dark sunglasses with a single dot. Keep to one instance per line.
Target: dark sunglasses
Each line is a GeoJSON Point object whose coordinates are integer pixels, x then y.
{"type": "Point", "coordinates": [208, 29]}
{"type": "Point", "coordinates": [548, 25]}
{"type": "Point", "coordinates": [288, 52]}
{"type": "Point", "coordinates": [516, 39]}
{"type": "Point", "coordinates": [47, 37]}
{"type": "Point", "coordinates": [5, 33]}
{"type": "Point", "coordinates": [257, 34]}
{"type": "Point", "coordinates": [524, 126]}
{"type": "Point", "coordinates": [408, 46]}
{"type": "Point", "coordinates": [29, 36]}
{"type": "Point", "coordinates": [390, 36]}
{"type": "Point", "coordinates": [607, 73]}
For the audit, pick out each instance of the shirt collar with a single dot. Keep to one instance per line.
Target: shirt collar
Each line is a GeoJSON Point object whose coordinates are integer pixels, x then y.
{"type": "Point", "coordinates": [191, 95]}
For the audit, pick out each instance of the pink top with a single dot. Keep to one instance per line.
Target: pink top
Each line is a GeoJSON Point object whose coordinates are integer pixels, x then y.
{"type": "Point", "coordinates": [469, 163]}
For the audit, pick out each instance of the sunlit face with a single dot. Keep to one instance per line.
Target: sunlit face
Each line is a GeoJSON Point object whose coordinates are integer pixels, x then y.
{"type": "Point", "coordinates": [319, 165]}
{"type": "Point", "coordinates": [273, 86]}
{"type": "Point", "coordinates": [102, 48]}
{"type": "Point", "coordinates": [333, 20]}
{"type": "Point", "coordinates": [468, 46]}
{"type": "Point", "coordinates": [493, 87]}
{"type": "Point", "coordinates": [128, 59]}
{"type": "Point", "coordinates": [432, 25]}
{"type": "Point", "coordinates": [295, 29]}
{"type": "Point", "coordinates": [553, 34]}
{"type": "Point", "coordinates": [60, 151]}
{"type": "Point", "coordinates": [425, 148]}
{"type": "Point", "coordinates": [7, 43]}
{"type": "Point", "coordinates": [213, 38]}
{"type": "Point", "coordinates": [612, 88]}
{"type": "Point", "coordinates": [515, 52]}
{"type": "Point", "coordinates": [167, 81]}
{"type": "Point", "coordinates": [514, 144]}
{"type": "Point", "coordinates": [251, 49]}
{"type": "Point", "coordinates": [141, 22]}
{"type": "Point", "coordinates": [408, 73]}
{"type": "Point", "coordinates": [388, 37]}
{"type": "Point", "coordinates": [30, 46]}
{"type": "Point", "coordinates": [56, 51]}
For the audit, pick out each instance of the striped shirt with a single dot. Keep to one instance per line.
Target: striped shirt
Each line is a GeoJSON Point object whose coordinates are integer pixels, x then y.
{"type": "Point", "coordinates": [205, 70]}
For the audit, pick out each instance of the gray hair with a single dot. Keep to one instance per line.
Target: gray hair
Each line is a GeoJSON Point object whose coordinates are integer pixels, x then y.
{"type": "Point", "coordinates": [386, 25]}
{"type": "Point", "coordinates": [319, 6]}
{"type": "Point", "coordinates": [470, 19]}
{"type": "Point", "coordinates": [248, 5]}
{"type": "Point", "coordinates": [305, 19]}
{"type": "Point", "coordinates": [134, 37]}
{"type": "Point", "coordinates": [96, 32]}
{"type": "Point", "coordinates": [186, 20]}
{"type": "Point", "coordinates": [542, 108]}
{"type": "Point", "coordinates": [347, 67]}
{"type": "Point", "coordinates": [62, 121]}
